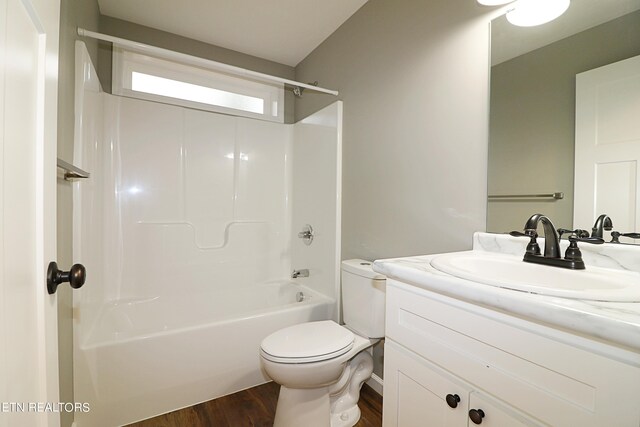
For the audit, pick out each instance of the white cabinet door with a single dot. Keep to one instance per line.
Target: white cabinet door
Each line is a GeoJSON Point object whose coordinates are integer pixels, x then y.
{"type": "Point", "coordinates": [28, 105]}
{"type": "Point", "coordinates": [607, 152]}
{"type": "Point", "coordinates": [494, 414]}
{"type": "Point", "coordinates": [416, 392]}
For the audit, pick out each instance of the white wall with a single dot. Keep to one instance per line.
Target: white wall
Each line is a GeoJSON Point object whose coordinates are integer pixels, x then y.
{"type": "Point", "coordinates": [87, 208]}
{"type": "Point", "coordinates": [317, 164]}
{"type": "Point", "coordinates": [414, 78]}
{"type": "Point", "coordinates": [182, 202]}
{"type": "Point", "coordinates": [201, 199]}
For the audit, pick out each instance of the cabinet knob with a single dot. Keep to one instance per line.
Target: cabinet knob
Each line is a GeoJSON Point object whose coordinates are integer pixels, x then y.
{"type": "Point", "coordinates": [476, 415]}
{"type": "Point", "coordinates": [452, 400]}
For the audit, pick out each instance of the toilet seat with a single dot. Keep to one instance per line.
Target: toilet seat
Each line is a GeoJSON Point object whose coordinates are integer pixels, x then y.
{"type": "Point", "coordinates": [307, 343]}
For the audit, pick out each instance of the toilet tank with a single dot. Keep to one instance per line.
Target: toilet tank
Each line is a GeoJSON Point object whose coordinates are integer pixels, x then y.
{"type": "Point", "coordinates": [363, 298]}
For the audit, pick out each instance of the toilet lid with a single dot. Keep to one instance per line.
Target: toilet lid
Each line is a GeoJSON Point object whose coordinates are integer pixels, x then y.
{"type": "Point", "coordinates": [307, 342]}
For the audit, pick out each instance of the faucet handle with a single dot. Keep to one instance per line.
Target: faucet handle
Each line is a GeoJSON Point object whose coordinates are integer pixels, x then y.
{"type": "Point", "coordinates": [562, 231]}
{"type": "Point", "coordinates": [527, 233]}
{"type": "Point", "coordinates": [533, 247]}
{"type": "Point", "coordinates": [615, 236]}
{"type": "Point", "coordinates": [592, 240]}
{"type": "Point", "coordinates": [578, 232]}
{"type": "Point", "coordinates": [573, 252]}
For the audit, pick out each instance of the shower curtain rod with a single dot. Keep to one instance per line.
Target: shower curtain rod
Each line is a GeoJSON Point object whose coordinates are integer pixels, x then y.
{"type": "Point", "coordinates": [195, 60]}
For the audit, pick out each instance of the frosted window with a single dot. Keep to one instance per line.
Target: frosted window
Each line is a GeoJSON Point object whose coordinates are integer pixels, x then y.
{"type": "Point", "coordinates": [195, 86]}
{"type": "Point", "coordinates": [176, 89]}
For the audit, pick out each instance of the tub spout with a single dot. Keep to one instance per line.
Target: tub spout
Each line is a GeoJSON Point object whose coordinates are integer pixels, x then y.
{"type": "Point", "coordinates": [300, 273]}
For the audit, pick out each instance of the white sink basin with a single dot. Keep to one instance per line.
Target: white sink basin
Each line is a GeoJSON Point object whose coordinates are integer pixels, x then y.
{"type": "Point", "coordinates": [509, 271]}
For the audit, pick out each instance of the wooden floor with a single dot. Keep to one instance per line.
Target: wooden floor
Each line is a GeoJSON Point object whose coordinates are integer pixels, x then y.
{"type": "Point", "coordinates": [253, 407]}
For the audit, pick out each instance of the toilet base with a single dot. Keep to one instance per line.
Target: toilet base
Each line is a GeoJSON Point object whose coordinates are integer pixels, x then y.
{"type": "Point", "coordinates": [332, 406]}
{"type": "Point", "coordinates": [345, 393]}
{"type": "Point", "coordinates": [303, 407]}
{"type": "Point", "coordinates": [346, 418]}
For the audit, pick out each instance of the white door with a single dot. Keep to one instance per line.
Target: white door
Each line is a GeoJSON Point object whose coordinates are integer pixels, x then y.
{"type": "Point", "coordinates": [28, 108]}
{"type": "Point", "coordinates": [607, 176]}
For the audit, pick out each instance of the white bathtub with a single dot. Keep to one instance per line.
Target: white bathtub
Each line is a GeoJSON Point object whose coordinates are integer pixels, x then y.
{"type": "Point", "coordinates": [147, 357]}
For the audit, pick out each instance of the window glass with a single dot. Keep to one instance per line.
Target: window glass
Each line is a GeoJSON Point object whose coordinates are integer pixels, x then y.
{"type": "Point", "coordinates": [141, 76]}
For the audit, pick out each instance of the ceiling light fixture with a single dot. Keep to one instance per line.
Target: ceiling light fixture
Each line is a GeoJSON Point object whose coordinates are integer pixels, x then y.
{"type": "Point", "coordinates": [528, 13]}
{"type": "Point", "coordinates": [493, 2]}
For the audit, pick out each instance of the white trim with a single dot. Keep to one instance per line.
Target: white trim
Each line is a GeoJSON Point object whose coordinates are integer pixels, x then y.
{"type": "Point", "coordinates": [338, 256]}
{"type": "Point", "coordinates": [197, 61]}
{"type": "Point", "coordinates": [376, 383]}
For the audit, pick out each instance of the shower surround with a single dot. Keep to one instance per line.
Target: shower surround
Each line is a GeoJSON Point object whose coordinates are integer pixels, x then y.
{"type": "Point", "coordinates": [188, 228]}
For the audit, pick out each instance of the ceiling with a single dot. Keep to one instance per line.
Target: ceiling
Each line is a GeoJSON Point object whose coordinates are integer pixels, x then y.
{"type": "Point", "coordinates": [284, 31]}
{"type": "Point", "coordinates": [509, 41]}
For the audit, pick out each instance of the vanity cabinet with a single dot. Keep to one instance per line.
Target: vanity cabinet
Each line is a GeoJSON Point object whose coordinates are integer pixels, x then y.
{"type": "Point", "coordinates": [516, 372]}
{"type": "Point", "coordinates": [425, 395]}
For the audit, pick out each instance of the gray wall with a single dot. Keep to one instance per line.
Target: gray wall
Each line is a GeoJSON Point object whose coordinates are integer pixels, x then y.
{"type": "Point", "coordinates": [413, 75]}
{"type": "Point", "coordinates": [151, 36]}
{"type": "Point", "coordinates": [73, 13]}
{"type": "Point", "coordinates": [532, 129]}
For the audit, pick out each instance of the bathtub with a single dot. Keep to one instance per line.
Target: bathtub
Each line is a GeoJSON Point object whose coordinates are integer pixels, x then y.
{"type": "Point", "coordinates": [146, 357]}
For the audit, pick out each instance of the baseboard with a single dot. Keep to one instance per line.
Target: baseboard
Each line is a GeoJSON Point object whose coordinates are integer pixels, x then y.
{"type": "Point", "coordinates": [376, 383]}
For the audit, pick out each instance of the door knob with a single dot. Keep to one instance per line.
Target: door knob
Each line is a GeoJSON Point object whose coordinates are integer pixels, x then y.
{"type": "Point", "coordinates": [76, 277]}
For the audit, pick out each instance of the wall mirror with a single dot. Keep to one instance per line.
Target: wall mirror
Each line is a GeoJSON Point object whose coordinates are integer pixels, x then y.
{"type": "Point", "coordinates": [533, 110]}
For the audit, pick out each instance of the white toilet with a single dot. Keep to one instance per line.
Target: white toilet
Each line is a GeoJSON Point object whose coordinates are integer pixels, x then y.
{"type": "Point", "coordinates": [322, 365]}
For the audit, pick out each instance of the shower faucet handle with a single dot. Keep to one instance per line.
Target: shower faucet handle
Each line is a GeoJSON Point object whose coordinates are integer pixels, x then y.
{"type": "Point", "coordinates": [306, 234]}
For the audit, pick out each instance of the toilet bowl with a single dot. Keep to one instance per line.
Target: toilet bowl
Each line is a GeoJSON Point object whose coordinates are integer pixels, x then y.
{"type": "Point", "coordinates": [322, 365]}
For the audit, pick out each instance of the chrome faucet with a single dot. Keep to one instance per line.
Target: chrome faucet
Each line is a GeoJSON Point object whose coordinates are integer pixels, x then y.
{"type": "Point", "coordinates": [572, 258]}
{"type": "Point", "coordinates": [602, 223]}
{"type": "Point", "coordinates": [300, 273]}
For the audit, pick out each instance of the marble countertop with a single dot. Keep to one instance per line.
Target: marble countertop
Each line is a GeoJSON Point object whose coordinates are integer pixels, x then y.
{"type": "Point", "coordinates": [616, 323]}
